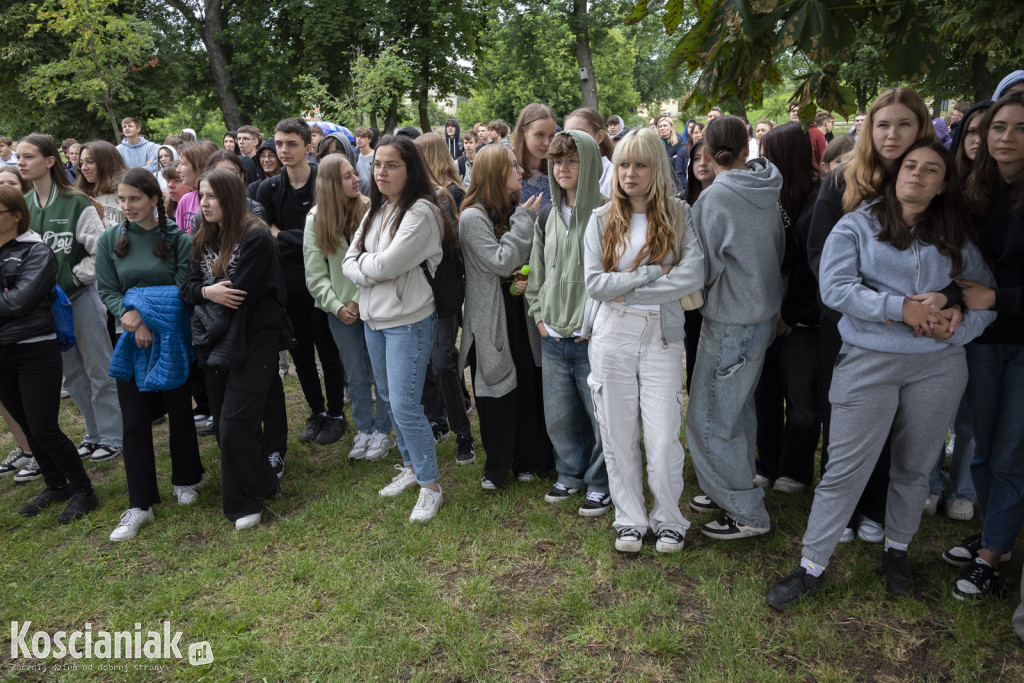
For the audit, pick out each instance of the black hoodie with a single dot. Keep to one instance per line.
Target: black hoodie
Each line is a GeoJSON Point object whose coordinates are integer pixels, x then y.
{"type": "Point", "coordinates": [454, 144]}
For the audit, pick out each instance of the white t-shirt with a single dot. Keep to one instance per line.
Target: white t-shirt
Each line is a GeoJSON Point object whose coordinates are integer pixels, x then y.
{"type": "Point", "coordinates": [634, 243]}
{"type": "Point", "coordinates": [566, 216]}
{"type": "Point", "coordinates": [607, 170]}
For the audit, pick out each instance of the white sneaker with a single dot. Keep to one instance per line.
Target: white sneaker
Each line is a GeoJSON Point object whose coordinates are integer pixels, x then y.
{"type": "Point", "coordinates": [186, 495]}
{"type": "Point", "coordinates": [487, 485]}
{"type": "Point", "coordinates": [848, 535]}
{"type": "Point", "coordinates": [359, 445]}
{"type": "Point", "coordinates": [931, 504]}
{"type": "Point", "coordinates": [131, 520]}
{"type": "Point", "coordinates": [788, 485]}
{"type": "Point", "coordinates": [429, 503]}
{"type": "Point", "coordinates": [14, 462]}
{"type": "Point", "coordinates": [960, 509]}
{"type": "Point", "coordinates": [870, 531]}
{"type": "Point", "coordinates": [401, 481]}
{"type": "Point", "coordinates": [951, 445]}
{"type": "Point", "coordinates": [525, 476]}
{"type": "Point", "coordinates": [669, 541]}
{"type": "Point", "coordinates": [247, 522]}
{"type": "Point", "coordinates": [380, 445]}
{"type": "Point", "coordinates": [762, 481]}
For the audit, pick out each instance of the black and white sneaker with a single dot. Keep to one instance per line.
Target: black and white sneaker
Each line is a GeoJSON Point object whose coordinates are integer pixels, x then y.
{"type": "Point", "coordinates": [559, 492]}
{"type": "Point", "coordinates": [314, 423]}
{"type": "Point", "coordinates": [14, 462]}
{"type": "Point", "coordinates": [86, 449]}
{"type": "Point", "coordinates": [104, 453]}
{"type": "Point", "coordinates": [725, 528]}
{"type": "Point", "coordinates": [963, 555]}
{"type": "Point", "coordinates": [596, 504]}
{"type": "Point", "coordinates": [441, 431]}
{"type": "Point", "coordinates": [628, 540]}
{"type": "Point", "coordinates": [669, 541]}
{"type": "Point", "coordinates": [29, 472]}
{"type": "Point", "coordinates": [702, 504]}
{"type": "Point", "coordinates": [465, 454]}
{"type": "Point", "coordinates": [977, 580]}
{"type": "Point", "coordinates": [276, 463]}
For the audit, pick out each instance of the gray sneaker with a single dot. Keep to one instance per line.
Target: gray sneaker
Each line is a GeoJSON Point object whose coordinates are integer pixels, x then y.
{"type": "Point", "coordinates": [380, 445]}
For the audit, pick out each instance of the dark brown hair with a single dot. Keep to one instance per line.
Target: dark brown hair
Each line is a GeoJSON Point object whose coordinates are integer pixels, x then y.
{"type": "Point", "coordinates": [529, 115]}
{"type": "Point", "coordinates": [145, 182]}
{"type": "Point", "coordinates": [222, 238]}
{"type": "Point", "coordinates": [13, 199]}
{"type": "Point", "coordinates": [726, 140]}
{"type": "Point", "coordinates": [109, 167]}
{"type": "Point", "coordinates": [984, 179]}
{"type": "Point", "coordinates": [789, 148]}
{"type": "Point", "coordinates": [596, 124]}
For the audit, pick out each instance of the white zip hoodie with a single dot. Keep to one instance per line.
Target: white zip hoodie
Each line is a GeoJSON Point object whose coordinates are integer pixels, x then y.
{"type": "Point", "coordinates": [393, 290]}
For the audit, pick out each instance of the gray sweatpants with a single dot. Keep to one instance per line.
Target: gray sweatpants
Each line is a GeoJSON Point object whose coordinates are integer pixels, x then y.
{"type": "Point", "coordinates": [914, 395]}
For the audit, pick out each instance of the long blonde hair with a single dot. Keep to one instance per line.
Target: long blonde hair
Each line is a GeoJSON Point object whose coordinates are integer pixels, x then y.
{"type": "Point", "coordinates": [864, 172]}
{"type": "Point", "coordinates": [337, 216]}
{"type": "Point", "coordinates": [438, 160]}
{"type": "Point", "coordinates": [488, 186]}
{"type": "Point", "coordinates": [643, 146]}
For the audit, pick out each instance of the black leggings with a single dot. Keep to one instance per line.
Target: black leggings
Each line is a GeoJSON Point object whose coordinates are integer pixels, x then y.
{"type": "Point", "coordinates": [313, 337]}
{"type": "Point", "coordinates": [30, 379]}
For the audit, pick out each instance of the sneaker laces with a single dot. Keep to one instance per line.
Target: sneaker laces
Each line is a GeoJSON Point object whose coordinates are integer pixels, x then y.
{"type": "Point", "coordinates": [670, 535]}
{"type": "Point", "coordinates": [629, 532]}
{"type": "Point", "coordinates": [426, 500]}
{"type": "Point", "coordinates": [560, 486]}
{"type": "Point", "coordinates": [12, 457]}
{"type": "Point", "coordinates": [275, 459]}
{"type": "Point", "coordinates": [596, 497]}
{"type": "Point", "coordinates": [128, 516]}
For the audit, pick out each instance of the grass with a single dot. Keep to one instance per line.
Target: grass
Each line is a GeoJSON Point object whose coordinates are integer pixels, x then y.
{"type": "Point", "coordinates": [337, 585]}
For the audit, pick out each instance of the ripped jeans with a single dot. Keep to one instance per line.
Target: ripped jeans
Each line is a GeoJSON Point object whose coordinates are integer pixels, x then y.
{"type": "Point", "coordinates": [721, 421]}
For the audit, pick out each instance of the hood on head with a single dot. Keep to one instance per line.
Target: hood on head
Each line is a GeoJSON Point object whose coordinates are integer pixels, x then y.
{"type": "Point", "coordinates": [1011, 79]}
{"type": "Point", "coordinates": [684, 136]}
{"type": "Point", "coordinates": [346, 147]}
{"type": "Point", "coordinates": [961, 130]}
{"type": "Point", "coordinates": [759, 184]}
{"type": "Point", "coordinates": [174, 152]}
{"type": "Point", "coordinates": [588, 188]}
{"type": "Point", "coordinates": [191, 130]}
{"type": "Point", "coordinates": [267, 144]}
{"type": "Point", "coordinates": [408, 131]}
{"type": "Point", "coordinates": [458, 128]}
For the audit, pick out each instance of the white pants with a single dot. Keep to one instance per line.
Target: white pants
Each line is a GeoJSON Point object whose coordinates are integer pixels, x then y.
{"type": "Point", "coordinates": [637, 381]}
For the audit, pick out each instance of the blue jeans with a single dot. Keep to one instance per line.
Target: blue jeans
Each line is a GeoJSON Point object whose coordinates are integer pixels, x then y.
{"type": "Point", "coordinates": [355, 358]}
{"type": "Point", "coordinates": [996, 390]}
{"type": "Point", "coordinates": [958, 484]}
{"type": "Point", "coordinates": [721, 421]}
{"type": "Point", "coordinates": [569, 414]}
{"type": "Point", "coordinates": [399, 356]}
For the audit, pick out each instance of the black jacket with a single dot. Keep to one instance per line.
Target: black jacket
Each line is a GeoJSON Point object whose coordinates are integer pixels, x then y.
{"type": "Point", "coordinates": [28, 276]}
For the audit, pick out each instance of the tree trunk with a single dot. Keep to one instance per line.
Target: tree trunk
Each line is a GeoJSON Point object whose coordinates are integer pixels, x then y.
{"type": "Point", "coordinates": [424, 95]}
{"type": "Point", "coordinates": [982, 84]}
{"type": "Point", "coordinates": [373, 119]}
{"type": "Point", "coordinates": [109, 108]}
{"type": "Point", "coordinates": [212, 27]}
{"type": "Point", "coordinates": [391, 118]}
{"type": "Point", "coordinates": [588, 79]}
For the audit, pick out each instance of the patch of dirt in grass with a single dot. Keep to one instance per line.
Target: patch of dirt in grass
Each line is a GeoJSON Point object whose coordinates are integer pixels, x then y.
{"type": "Point", "coordinates": [527, 581]}
{"type": "Point", "coordinates": [911, 656]}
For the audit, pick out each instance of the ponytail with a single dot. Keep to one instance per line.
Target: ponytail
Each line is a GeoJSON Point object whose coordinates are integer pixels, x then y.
{"type": "Point", "coordinates": [161, 248]}
{"type": "Point", "coordinates": [123, 244]}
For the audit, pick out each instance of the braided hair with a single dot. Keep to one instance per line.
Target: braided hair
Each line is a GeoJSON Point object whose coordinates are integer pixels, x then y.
{"type": "Point", "coordinates": [145, 182]}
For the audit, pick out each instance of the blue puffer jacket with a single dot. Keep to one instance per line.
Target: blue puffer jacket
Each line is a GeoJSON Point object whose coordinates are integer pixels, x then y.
{"type": "Point", "coordinates": [165, 364]}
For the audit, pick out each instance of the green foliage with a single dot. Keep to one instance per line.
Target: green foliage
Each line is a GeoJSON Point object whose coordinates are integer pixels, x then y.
{"type": "Point", "coordinates": [863, 70]}
{"type": "Point", "coordinates": [105, 48]}
{"type": "Point", "coordinates": [189, 112]}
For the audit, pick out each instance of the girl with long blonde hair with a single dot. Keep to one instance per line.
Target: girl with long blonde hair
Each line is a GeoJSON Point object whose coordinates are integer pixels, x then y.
{"type": "Point", "coordinates": [642, 256]}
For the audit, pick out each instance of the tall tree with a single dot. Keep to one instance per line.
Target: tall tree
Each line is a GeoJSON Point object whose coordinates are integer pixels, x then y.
{"type": "Point", "coordinates": [581, 29]}
{"type": "Point", "coordinates": [105, 47]}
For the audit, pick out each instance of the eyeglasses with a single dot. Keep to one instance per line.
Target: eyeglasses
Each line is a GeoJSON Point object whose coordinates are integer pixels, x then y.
{"type": "Point", "coordinates": [516, 166]}
{"type": "Point", "coordinates": [389, 167]}
{"type": "Point", "coordinates": [571, 163]}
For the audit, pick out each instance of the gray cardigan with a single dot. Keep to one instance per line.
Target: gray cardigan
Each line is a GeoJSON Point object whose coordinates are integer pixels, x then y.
{"type": "Point", "coordinates": [646, 284]}
{"type": "Point", "coordinates": [489, 259]}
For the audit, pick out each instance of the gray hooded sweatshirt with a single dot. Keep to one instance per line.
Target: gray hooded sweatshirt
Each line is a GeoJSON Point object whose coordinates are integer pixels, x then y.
{"type": "Point", "coordinates": [867, 281]}
{"type": "Point", "coordinates": [740, 228]}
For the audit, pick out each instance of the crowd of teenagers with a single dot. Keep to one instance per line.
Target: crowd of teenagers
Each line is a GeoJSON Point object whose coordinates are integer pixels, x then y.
{"type": "Point", "coordinates": [865, 290]}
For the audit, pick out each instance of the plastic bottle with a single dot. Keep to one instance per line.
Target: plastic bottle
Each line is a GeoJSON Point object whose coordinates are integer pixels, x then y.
{"type": "Point", "coordinates": [525, 272]}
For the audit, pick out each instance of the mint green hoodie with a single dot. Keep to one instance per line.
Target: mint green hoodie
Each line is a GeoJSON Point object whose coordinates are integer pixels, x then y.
{"type": "Point", "coordinates": [556, 293]}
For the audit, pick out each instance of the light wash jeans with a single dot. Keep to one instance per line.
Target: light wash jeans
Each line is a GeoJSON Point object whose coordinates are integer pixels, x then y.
{"type": "Point", "coordinates": [958, 483]}
{"type": "Point", "coordinates": [351, 342]}
{"type": "Point", "coordinates": [569, 414]}
{"type": "Point", "coordinates": [721, 420]}
{"type": "Point", "coordinates": [399, 356]}
{"type": "Point", "coordinates": [637, 380]}
{"type": "Point", "coordinates": [86, 368]}
{"type": "Point", "coordinates": [996, 388]}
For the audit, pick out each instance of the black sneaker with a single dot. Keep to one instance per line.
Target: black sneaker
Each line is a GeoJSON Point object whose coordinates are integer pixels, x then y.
{"type": "Point", "coordinates": [725, 528]}
{"type": "Point", "coordinates": [702, 504]}
{"type": "Point", "coordinates": [977, 580]}
{"type": "Point", "coordinates": [104, 453]}
{"type": "Point", "coordinates": [895, 567]}
{"type": "Point", "coordinates": [441, 431]}
{"type": "Point", "coordinates": [595, 505]}
{"type": "Point", "coordinates": [207, 428]}
{"type": "Point", "coordinates": [628, 540]}
{"type": "Point", "coordinates": [789, 590]}
{"type": "Point", "coordinates": [314, 423]}
{"type": "Point", "coordinates": [45, 499]}
{"type": "Point", "coordinates": [963, 555]}
{"type": "Point", "coordinates": [465, 453]}
{"type": "Point", "coordinates": [332, 430]}
{"type": "Point", "coordinates": [559, 492]}
{"type": "Point", "coordinates": [276, 463]}
{"type": "Point", "coordinates": [80, 503]}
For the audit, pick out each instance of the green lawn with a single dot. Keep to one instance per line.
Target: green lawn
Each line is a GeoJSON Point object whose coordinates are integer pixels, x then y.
{"type": "Point", "coordinates": [337, 585]}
